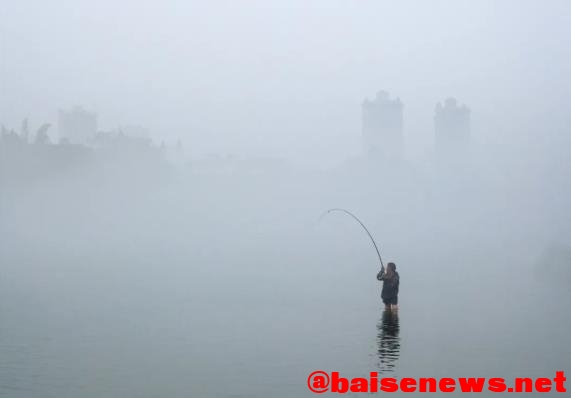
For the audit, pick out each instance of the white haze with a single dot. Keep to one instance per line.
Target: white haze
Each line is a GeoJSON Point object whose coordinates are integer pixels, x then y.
{"type": "Point", "coordinates": [127, 271]}
{"type": "Point", "coordinates": [286, 77]}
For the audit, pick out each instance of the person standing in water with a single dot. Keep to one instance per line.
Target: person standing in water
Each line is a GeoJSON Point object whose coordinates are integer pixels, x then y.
{"type": "Point", "coordinates": [390, 291]}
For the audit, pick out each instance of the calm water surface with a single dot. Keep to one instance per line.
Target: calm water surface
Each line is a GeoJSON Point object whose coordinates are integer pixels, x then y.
{"type": "Point", "coordinates": [118, 327]}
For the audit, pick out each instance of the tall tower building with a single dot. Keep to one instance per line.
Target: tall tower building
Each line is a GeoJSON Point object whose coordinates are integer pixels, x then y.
{"type": "Point", "coordinates": [452, 133]}
{"type": "Point", "coordinates": [382, 124]}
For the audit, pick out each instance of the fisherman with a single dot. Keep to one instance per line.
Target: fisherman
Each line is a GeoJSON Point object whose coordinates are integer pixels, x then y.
{"type": "Point", "coordinates": [390, 290]}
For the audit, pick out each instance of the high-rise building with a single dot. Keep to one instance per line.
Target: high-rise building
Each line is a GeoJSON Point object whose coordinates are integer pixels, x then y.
{"type": "Point", "coordinates": [77, 126]}
{"type": "Point", "coordinates": [452, 133]}
{"type": "Point", "coordinates": [382, 123]}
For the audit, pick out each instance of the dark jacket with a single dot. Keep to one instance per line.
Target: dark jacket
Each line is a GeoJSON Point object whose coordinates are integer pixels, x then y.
{"type": "Point", "coordinates": [390, 285]}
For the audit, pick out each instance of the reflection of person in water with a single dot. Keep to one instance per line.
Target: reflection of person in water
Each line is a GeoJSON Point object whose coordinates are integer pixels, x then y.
{"type": "Point", "coordinates": [388, 340]}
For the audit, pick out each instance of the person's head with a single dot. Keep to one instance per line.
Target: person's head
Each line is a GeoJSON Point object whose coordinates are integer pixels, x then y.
{"type": "Point", "coordinates": [391, 268]}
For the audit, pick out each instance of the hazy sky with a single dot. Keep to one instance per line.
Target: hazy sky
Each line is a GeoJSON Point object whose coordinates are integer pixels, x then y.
{"type": "Point", "coordinates": [280, 77]}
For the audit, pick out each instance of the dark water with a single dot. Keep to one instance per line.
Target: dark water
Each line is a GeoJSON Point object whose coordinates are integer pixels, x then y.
{"type": "Point", "coordinates": [111, 325]}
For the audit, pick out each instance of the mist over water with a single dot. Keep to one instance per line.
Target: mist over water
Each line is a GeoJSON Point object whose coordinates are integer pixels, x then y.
{"type": "Point", "coordinates": [166, 239]}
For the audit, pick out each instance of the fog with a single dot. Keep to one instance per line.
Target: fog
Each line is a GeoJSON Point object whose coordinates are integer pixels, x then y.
{"type": "Point", "coordinates": [164, 167]}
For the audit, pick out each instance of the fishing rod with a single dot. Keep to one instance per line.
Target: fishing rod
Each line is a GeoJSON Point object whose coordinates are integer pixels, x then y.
{"type": "Point", "coordinates": [365, 228]}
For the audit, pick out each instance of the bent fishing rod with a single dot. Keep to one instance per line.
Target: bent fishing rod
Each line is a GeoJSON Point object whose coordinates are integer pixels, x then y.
{"type": "Point", "coordinates": [362, 225]}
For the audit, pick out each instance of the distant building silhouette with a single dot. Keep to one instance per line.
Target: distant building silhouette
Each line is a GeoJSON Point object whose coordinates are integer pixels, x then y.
{"type": "Point", "coordinates": [77, 126]}
{"type": "Point", "coordinates": [28, 157]}
{"type": "Point", "coordinates": [382, 123]}
{"type": "Point", "coordinates": [452, 133]}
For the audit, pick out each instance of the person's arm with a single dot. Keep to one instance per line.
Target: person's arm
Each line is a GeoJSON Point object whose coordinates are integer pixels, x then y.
{"type": "Point", "coordinates": [381, 275]}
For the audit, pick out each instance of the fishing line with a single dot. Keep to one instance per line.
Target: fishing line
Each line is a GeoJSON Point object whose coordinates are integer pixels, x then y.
{"type": "Point", "coordinates": [363, 225]}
